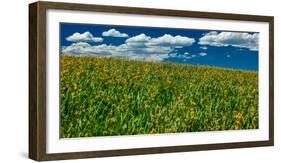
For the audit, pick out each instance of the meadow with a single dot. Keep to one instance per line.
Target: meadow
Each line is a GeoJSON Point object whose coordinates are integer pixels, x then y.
{"type": "Point", "coordinates": [110, 96]}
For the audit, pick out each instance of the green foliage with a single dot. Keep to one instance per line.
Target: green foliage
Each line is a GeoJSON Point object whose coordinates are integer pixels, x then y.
{"type": "Point", "coordinates": [107, 96]}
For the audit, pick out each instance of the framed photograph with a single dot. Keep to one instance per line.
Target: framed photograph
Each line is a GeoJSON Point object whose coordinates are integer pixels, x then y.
{"type": "Point", "coordinates": [112, 81]}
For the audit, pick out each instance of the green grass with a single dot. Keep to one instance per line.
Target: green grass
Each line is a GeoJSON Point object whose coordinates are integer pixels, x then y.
{"type": "Point", "coordinates": [107, 96]}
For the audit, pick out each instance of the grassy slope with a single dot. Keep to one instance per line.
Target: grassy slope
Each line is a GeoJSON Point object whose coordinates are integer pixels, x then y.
{"type": "Point", "coordinates": [106, 96]}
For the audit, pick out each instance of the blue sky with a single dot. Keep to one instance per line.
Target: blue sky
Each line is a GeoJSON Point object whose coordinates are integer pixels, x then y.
{"type": "Point", "coordinates": [237, 50]}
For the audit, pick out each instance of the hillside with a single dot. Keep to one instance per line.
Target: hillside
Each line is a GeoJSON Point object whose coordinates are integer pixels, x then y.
{"type": "Point", "coordinates": [107, 96]}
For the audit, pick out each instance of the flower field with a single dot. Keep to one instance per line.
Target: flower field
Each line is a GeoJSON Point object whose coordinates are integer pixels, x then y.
{"type": "Point", "coordinates": [110, 96]}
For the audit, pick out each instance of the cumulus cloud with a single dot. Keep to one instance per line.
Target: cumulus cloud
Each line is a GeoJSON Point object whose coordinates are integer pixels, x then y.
{"type": "Point", "coordinates": [140, 47]}
{"type": "Point", "coordinates": [138, 41]}
{"type": "Point", "coordinates": [202, 54]}
{"type": "Point", "coordinates": [114, 33]}
{"type": "Point", "coordinates": [165, 40]}
{"type": "Point", "coordinates": [85, 37]}
{"type": "Point", "coordinates": [124, 51]}
{"type": "Point", "coordinates": [235, 39]}
{"type": "Point", "coordinates": [83, 48]}
{"type": "Point", "coordinates": [173, 54]}
{"type": "Point", "coordinates": [169, 40]}
{"type": "Point", "coordinates": [185, 58]}
{"type": "Point", "coordinates": [203, 47]}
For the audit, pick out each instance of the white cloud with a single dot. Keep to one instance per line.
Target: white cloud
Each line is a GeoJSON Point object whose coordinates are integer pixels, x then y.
{"type": "Point", "coordinates": [140, 47]}
{"type": "Point", "coordinates": [165, 40]}
{"type": "Point", "coordinates": [202, 54]}
{"type": "Point", "coordinates": [125, 51]}
{"type": "Point", "coordinates": [173, 55]}
{"type": "Point", "coordinates": [185, 58]}
{"type": "Point", "coordinates": [169, 40]}
{"type": "Point", "coordinates": [203, 47]}
{"type": "Point", "coordinates": [114, 33]}
{"type": "Point", "coordinates": [138, 41]}
{"type": "Point", "coordinates": [235, 39]}
{"type": "Point", "coordinates": [86, 37]}
{"type": "Point", "coordinates": [83, 48]}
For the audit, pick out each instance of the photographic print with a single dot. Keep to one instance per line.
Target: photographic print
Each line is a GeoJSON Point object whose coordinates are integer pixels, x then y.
{"type": "Point", "coordinates": [132, 80]}
{"type": "Point", "coordinates": [116, 80]}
